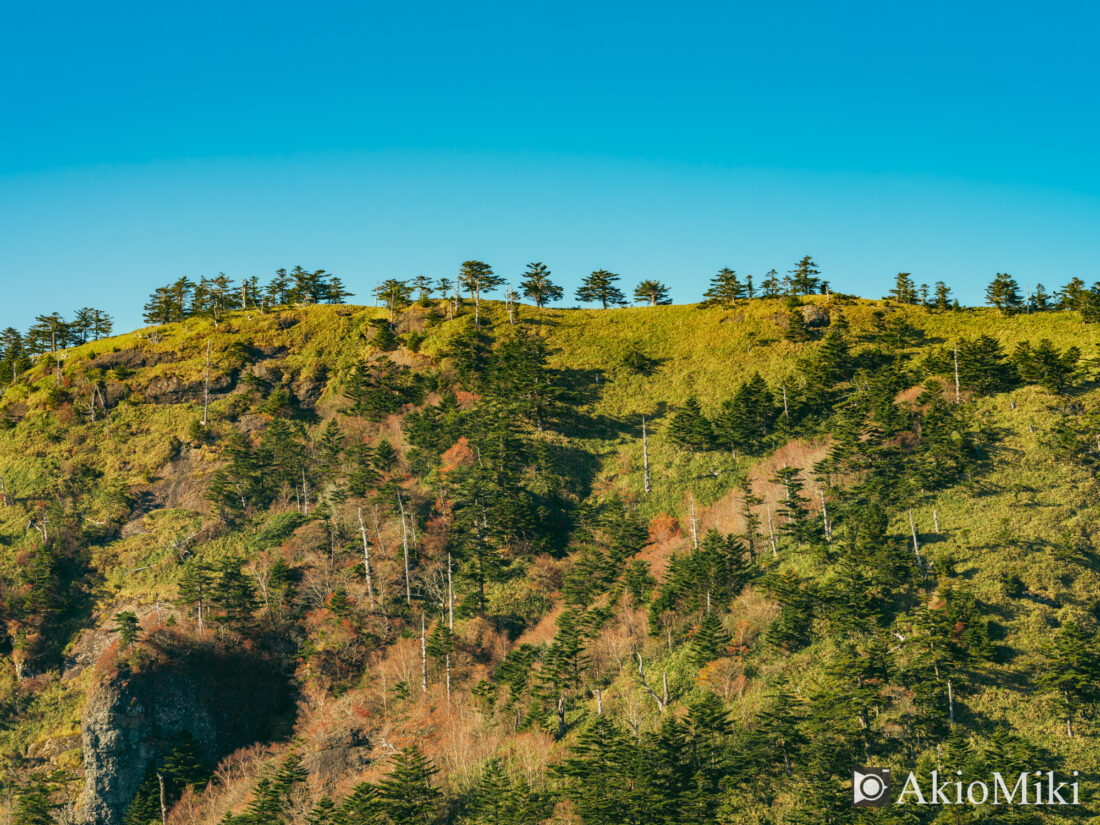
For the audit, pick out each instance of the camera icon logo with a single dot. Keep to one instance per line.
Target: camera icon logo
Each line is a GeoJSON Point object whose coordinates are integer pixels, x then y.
{"type": "Point", "coordinates": [870, 787]}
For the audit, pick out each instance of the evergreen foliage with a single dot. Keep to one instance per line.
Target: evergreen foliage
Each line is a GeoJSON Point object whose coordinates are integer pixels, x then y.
{"type": "Point", "coordinates": [600, 286]}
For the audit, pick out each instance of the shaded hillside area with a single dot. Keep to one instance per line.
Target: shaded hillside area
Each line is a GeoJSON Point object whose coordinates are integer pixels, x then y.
{"type": "Point", "coordinates": [510, 565]}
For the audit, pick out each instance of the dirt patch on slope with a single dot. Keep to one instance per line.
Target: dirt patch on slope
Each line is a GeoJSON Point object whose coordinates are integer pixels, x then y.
{"type": "Point", "coordinates": [726, 513]}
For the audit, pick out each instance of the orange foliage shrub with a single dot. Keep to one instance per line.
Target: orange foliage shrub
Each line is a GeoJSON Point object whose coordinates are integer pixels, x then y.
{"type": "Point", "coordinates": [664, 527]}
{"type": "Point", "coordinates": [458, 454]}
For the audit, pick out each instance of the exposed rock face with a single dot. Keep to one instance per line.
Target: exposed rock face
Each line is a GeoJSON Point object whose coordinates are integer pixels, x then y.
{"type": "Point", "coordinates": [131, 359]}
{"type": "Point", "coordinates": [223, 699]}
{"type": "Point", "coordinates": [172, 389]}
{"type": "Point", "coordinates": [815, 316]}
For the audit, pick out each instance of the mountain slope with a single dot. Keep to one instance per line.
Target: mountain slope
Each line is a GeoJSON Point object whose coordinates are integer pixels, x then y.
{"type": "Point", "coordinates": [593, 621]}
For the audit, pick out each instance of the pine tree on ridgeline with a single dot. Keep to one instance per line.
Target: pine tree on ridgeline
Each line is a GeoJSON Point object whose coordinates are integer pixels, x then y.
{"type": "Point", "coordinates": [653, 292]}
{"type": "Point", "coordinates": [725, 289]}
{"type": "Point", "coordinates": [804, 277]}
{"type": "Point", "coordinates": [1004, 293]}
{"type": "Point", "coordinates": [600, 286]}
{"type": "Point", "coordinates": [477, 277]}
{"type": "Point", "coordinates": [904, 291]}
{"type": "Point", "coordinates": [537, 286]}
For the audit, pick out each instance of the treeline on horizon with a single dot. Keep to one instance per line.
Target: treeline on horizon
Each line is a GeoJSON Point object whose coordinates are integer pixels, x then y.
{"type": "Point", "coordinates": [213, 297]}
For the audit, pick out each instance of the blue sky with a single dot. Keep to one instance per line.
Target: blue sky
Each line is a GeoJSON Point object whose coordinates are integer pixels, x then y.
{"type": "Point", "coordinates": [147, 141]}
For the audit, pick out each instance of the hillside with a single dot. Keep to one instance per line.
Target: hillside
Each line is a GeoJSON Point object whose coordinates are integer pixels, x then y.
{"type": "Point", "coordinates": [389, 552]}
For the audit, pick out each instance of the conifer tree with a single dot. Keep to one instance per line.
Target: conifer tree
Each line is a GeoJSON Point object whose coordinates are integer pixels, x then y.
{"type": "Point", "coordinates": [194, 588]}
{"type": "Point", "coordinates": [1041, 298]}
{"type": "Point", "coordinates": [232, 594]}
{"type": "Point", "coordinates": [725, 290]}
{"type": "Point", "coordinates": [1043, 364]}
{"type": "Point", "coordinates": [748, 515]}
{"type": "Point", "coordinates": [363, 806]}
{"type": "Point", "coordinates": [982, 365]}
{"type": "Point", "coordinates": [537, 286]}
{"type": "Point", "coordinates": [942, 300]}
{"type": "Point", "coordinates": [1004, 293]}
{"type": "Point", "coordinates": [422, 286]}
{"type": "Point", "coordinates": [1072, 670]}
{"type": "Point", "coordinates": [1072, 295]}
{"type": "Point", "coordinates": [600, 286]}
{"type": "Point", "coordinates": [689, 427]}
{"type": "Point", "coordinates": [833, 361]}
{"type": "Point", "coordinates": [804, 280]}
{"type": "Point", "coordinates": [904, 291]}
{"type": "Point", "coordinates": [395, 296]}
{"type": "Point", "coordinates": [710, 640]}
{"type": "Point", "coordinates": [745, 420]}
{"type": "Point", "coordinates": [771, 287]}
{"type": "Point", "coordinates": [791, 630]}
{"type": "Point", "coordinates": [652, 291]}
{"type": "Point", "coordinates": [406, 793]}
{"type": "Point", "coordinates": [266, 806]}
{"type": "Point", "coordinates": [477, 277]}
{"type": "Point", "coordinates": [127, 627]}
{"type": "Point", "coordinates": [497, 798]}
{"type": "Point", "coordinates": [289, 776]}
{"type": "Point", "coordinates": [34, 804]}
{"type": "Point", "coordinates": [324, 813]}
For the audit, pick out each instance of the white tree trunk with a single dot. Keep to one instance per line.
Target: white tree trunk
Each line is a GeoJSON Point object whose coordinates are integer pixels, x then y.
{"type": "Point", "coordinates": [694, 526]}
{"type": "Point", "coordinates": [950, 705]}
{"type": "Point", "coordinates": [405, 546]}
{"type": "Point", "coordinates": [916, 544]}
{"type": "Point", "coordinates": [366, 557]}
{"type": "Point", "coordinates": [958, 398]}
{"type": "Point", "coordinates": [206, 388]}
{"type": "Point", "coordinates": [423, 655]}
{"type": "Point", "coordinates": [450, 595]}
{"type": "Point", "coordinates": [771, 533]}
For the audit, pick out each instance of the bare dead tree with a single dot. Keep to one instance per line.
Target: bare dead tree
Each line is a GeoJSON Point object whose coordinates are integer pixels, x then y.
{"type": "Point", "coordinates": [423, 655]}
{"type": "Point", "coordinates": [450, 594]}
{"type": "Point", "coordinates": [163, 801]}
{"type": "Point", "coordinates": [694, 526]}
{"type": "Point", "coordinates": [510, 299]}
{"type": "Point", "coordinates": [405, 546]}
{"type": "Point", "coordinates": [57, 357]}
{"type": "Point", "coordinates": [958, 398]}
{"type": "Point", "coordinates": [206, 388]}
{"type": "Point", "coordinates": [916, 544]}
{"type": "Point", "coordinates": [771, 533]}
{"type": "Point", "coordinates": [366, 557]}
{"type": "Point", "coordinates": [645, 454]}
{"type": "Point", "coordinates": [649, 690]}
{"type": "Point", "coordinates": [950, 705]}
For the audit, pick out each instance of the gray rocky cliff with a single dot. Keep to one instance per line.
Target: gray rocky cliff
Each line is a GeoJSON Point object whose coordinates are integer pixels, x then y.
{"type": "Point", "coordinates": [223, 699]}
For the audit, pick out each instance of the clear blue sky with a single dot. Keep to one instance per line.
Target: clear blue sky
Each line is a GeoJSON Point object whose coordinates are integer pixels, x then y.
{"type": "Point", "coordinates": [143, 141]}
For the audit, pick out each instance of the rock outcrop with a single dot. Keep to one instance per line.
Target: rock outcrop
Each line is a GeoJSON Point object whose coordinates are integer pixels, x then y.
{"type": "Point", "coordinates": [224, 699]}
